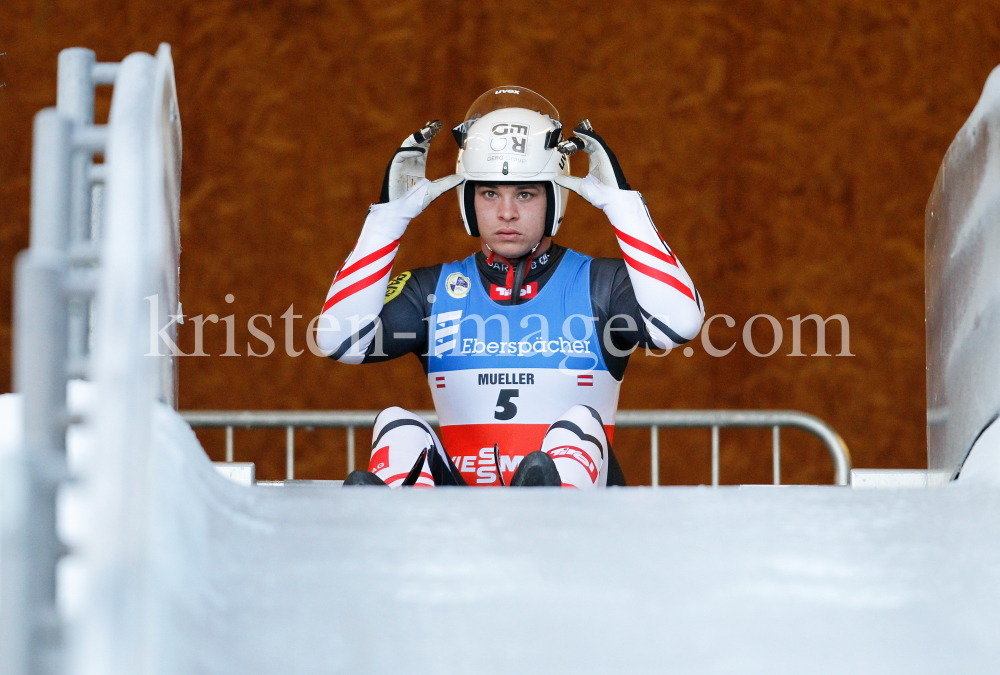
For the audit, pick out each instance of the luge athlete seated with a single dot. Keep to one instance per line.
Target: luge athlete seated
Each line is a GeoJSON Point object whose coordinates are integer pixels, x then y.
{"type": "Point", "coordinates": [525, 342]}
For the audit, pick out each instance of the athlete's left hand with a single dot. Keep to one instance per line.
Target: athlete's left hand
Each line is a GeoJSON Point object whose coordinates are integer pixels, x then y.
{"type": "Point", "coordinates": [605, 176]}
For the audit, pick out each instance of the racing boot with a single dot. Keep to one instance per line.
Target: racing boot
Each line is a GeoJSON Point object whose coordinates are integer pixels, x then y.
{"type": "Point", "coordinates": [536, 470]}
{"type": "Point", "coordinates": [360, 477]}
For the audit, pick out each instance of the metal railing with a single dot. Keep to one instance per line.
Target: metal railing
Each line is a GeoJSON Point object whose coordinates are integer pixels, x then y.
{"type": "Point", "coordinates": [652, 419]}
{"type": "Point", "coordinates": [81, 287]}
{"type": "Point", "coordinates": [54, 288]}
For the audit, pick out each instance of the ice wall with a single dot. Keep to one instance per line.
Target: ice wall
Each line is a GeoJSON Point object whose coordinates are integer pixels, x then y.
{"type": "Point", "coordinates": [963, 287]}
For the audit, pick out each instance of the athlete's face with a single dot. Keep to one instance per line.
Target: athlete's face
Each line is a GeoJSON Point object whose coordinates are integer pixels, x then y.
{"type": "Point", "coordinates": [511, 218]}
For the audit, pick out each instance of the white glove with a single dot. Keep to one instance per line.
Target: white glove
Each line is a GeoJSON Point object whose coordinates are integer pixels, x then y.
{"type": "Point", "coordinates": [440, 186]}
{"type": "Point", "coordinates": [408, 166]}
{"type": "Point", "coordinates": [391, 218]}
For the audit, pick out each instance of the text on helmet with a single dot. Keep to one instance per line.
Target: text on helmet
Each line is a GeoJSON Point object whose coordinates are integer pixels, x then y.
{"type": "Point", "coordinates": [516, 134]}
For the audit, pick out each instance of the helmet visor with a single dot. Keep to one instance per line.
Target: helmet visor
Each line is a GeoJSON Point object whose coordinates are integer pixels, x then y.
{"type": "Point", "coordinates": [510, 96]}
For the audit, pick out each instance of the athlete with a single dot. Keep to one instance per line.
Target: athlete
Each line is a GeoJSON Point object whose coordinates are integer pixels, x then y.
{"type": "Point", "coordinates": [525, 342]}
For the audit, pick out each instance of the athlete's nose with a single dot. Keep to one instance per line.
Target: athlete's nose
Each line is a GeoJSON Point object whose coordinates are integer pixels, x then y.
{"type": "Point", "coordinates": [507, 210]}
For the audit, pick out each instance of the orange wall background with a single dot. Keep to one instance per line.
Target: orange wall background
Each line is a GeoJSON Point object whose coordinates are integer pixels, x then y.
{"type": "Point", "coordinates": [786, 151]}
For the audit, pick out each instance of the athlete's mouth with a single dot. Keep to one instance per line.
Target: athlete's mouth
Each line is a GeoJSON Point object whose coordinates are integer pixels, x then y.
{"type": "Point", "coordinates": [507, 233]}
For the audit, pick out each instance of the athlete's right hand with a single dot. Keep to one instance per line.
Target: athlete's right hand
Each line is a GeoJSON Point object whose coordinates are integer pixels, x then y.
{"type": "Point", "coordinates": [407, 168]}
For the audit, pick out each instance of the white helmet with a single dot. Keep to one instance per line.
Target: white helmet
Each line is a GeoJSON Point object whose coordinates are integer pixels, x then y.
{"type": "Point", "coordinates": [509, 136]}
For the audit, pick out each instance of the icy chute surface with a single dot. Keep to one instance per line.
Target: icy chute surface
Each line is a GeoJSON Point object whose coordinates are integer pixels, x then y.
{"type": "Point", "coordinates": [308, 578]}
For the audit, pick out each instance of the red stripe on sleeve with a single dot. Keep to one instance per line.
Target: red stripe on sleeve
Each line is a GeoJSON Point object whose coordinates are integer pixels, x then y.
{"type": "Point", "coordinates": [658, 275]}
{"type": "Point", "coordinates": [371, 257]}
{"type": "Point", "coordinates": [646, 248]}
{"type": "Point", "coordinates": [356, 286]}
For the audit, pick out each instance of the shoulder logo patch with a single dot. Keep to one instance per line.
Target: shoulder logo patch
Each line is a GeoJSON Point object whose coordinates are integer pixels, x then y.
{"type": "Point", "coordinates": [457, 285]}
{"type": "Point", "coordinates": [396, 286]}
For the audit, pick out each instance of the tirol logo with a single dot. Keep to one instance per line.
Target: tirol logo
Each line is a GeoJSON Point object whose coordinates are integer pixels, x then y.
{"type": "Point", "coordinates": [576, 454]}
{"type": "Point", "coordinates": [510, 138]}
{"type": "Point", "coordinates": [380, 460]}
{"type": "Point", "coordinates": [504, 293]}
{"type": "Point", "coordinates": [457, 285]}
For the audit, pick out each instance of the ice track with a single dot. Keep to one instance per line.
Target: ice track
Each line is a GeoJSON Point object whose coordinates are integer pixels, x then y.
{"type": "Point", "coordinates": [315, 579]}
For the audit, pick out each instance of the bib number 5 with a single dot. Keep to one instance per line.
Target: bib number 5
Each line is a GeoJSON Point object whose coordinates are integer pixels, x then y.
{"type": "Point", "coordinates": [506, 408]}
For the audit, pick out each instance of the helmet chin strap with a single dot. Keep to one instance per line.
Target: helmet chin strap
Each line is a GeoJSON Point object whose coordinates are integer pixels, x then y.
{"type": "Point", "coordinates": [515, 277]}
